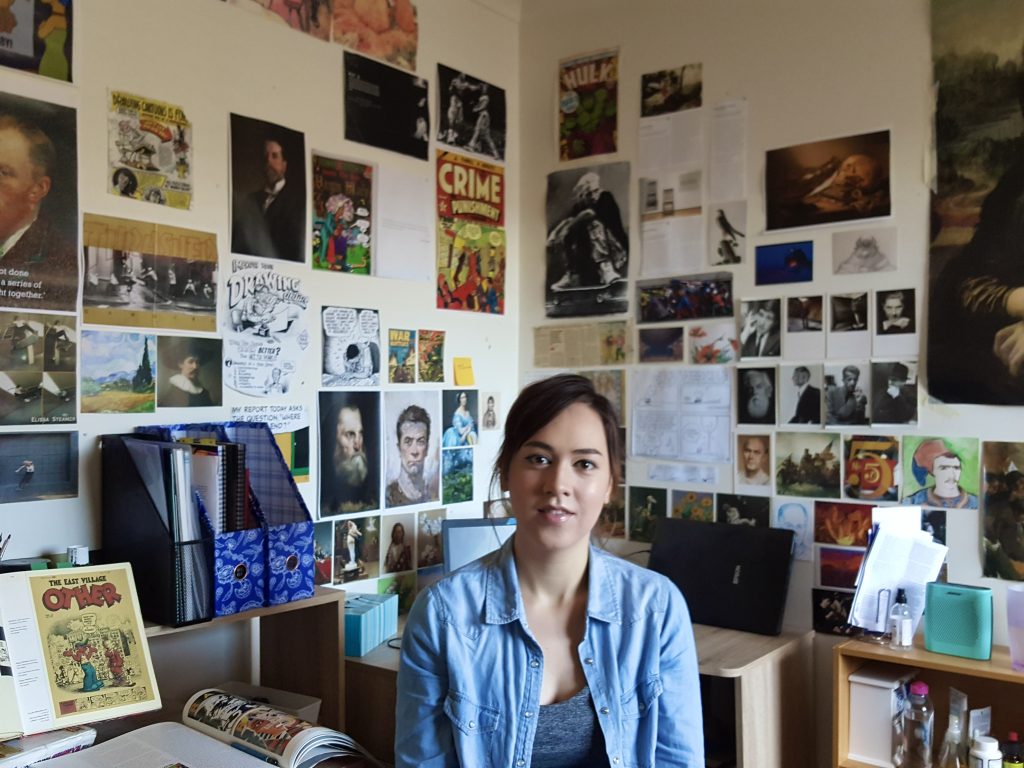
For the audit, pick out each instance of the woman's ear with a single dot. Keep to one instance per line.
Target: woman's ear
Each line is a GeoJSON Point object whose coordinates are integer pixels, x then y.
{"type": "Point", "coordinates": [503, 482]}
{"type": "Point", "coordinates": [608, 493]}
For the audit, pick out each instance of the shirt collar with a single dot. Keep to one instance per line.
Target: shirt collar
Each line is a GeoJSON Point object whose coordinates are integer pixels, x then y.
{"type": "Point", "coordinates": [12, 241]}
{"type": "Point", "coordinates": [503, 602]}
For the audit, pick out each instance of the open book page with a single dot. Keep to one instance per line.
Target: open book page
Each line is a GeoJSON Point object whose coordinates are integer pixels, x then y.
{"type": "Point", "coordinates": [264, 731]}
{"type": "Point", "coordinates": [895, 560]}
{"type": "Point", "coordinates": [163, 745]}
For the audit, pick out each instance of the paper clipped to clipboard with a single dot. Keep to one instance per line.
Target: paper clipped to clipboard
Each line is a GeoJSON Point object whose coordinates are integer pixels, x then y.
{"type": "Point", "coordinates": [898, 558]}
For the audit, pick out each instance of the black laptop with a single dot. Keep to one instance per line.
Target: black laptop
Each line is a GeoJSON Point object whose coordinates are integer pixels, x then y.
{"type": "Point", "coordinates": [732, 576]}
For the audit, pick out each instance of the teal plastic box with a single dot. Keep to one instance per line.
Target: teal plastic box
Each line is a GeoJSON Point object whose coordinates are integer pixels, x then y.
{"type": "Point", "coordinates": [369, 621]}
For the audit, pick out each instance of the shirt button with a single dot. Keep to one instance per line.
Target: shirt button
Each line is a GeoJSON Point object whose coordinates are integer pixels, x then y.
{"type": "Point", "coordinates": [534, 663]}
{"type": "Point", "coordinates": [520, 761]}
{"type": "Point", "coordinates": [529, 714]}
{"type": "Point", "coordinates": [615, 760]}
{"type": "Point", "coordinates": [472, 724]}
{"type": "Point", "coordinates": [605, 710]}
{"type": "Point", "coordinates": [643, 707]}
{"type": "Point", "coordinates": [588, 660]}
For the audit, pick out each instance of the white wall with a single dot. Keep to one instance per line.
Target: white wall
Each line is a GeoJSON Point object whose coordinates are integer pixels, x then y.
{"type": "Point", "coordinates": [213, 59]}
{"type": "Point", "coordinates": [809, 69]}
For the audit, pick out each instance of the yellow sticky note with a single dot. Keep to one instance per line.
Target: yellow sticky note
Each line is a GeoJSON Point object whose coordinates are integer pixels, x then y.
{"type": "Point", "coordinates": [463, 371]}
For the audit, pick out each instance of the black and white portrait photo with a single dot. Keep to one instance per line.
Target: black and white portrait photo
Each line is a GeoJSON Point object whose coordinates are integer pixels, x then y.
{"type": "Point", "coordinates": [470, 114]}
{"type": "Point", "coordinates": [755, 402]}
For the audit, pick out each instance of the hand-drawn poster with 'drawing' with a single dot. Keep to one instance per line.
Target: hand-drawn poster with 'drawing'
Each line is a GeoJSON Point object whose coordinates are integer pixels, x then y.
{"type": "Point", "coordinates": [470, 234]}
{"type": "Point", "coordinates": [149, 145]}
{"type": "Point", "coordinates": [265, 333]}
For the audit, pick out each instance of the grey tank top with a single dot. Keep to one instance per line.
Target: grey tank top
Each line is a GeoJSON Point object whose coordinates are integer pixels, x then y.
{"type": "Point", "coordinates": [568, 735]}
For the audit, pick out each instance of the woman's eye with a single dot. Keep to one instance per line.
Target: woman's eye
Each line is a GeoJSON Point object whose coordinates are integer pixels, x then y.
{"type": "Point", "coordinates": [586, 464]}
{"type": "Point", "coordinates": [537, 459]}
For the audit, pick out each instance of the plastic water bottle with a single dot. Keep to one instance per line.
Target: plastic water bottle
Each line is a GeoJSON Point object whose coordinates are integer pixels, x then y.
{"type": "Point", "coordinates": [918, 721]}
{"type": "Point", "coordinates": [901, 624]}
{"type": "Point", "coordinates": [950, 756]}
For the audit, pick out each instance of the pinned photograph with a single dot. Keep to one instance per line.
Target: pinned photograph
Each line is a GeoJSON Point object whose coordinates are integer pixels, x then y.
{"type": "Point", "coordinates": [611, 383]}
{"type": "Point", "coordinates": [735, 509]}
{"type": "Point", "coordinates": [755, 401]}
{"type": "Point", "coordinates": [386, 107]}
{"type": "Point", "coordinates": [350, 450]}
{"type": "Point", "coordinates": [38, 382]}
{"type": "Point", "coordinates": [804, 337]}
{"type": "Point", "coordinates": [471, 113]}
{"type": "Point", "coordinates": [849, 325]}
{"type": "Point", "coordinates": [118, 372]}
{"type": "Point", "coordinates": [430, 356]}
{"type": "Point", "coordinates": [412, 427]}
{"type": "Point", "coordinates": [388, 31]}
{"type": "Point", "coordinates": [697, 297]}
{"type": "Point", "coordinates": [784, 263]}
{"type": "Point", "coordinates": [490, 419]}
{"type": "Point", "coordinates": [671, 90]}
{"type": "Point", "coordinates": [864, 251]}
{"type": "Point", "coordinates": [795, 515]}
{"type": "Point", "coordinates": [139, 274]}
{"type": "Point", "coordinates": [896, 322]}
{"type": "Point", "coordinates": [800, 395]}
{"type": "Point", "coordinates": [846, 394]}
{"type": "Point", "coordinates": [842, 523]}
{"type": "Point", "coordinates": [38, 38]}
{"type": "Point", "coordinates": [39, 140]}
{"type": "Point", "coordinates": [342, 215]}
{"type": "Point", "coordinates": [725, 238]}
{"type": "Point", "coordinates": [399, 537]}
{"type": "Point", "coordinates": [323, 553]}
{"type": "Point", "coordinates": [871, 466]}
{"type": "Point", "coordinates": [587, 211]}
{"type": "Point", "coordinates": [1003, 485]}
{"type": "Point", "coordinates": [457, 475]}
{"type": "Point", "coordinates": [713, 343]}
{"type": "Point", "coordinates": [356, 549]}
{"type": "Point", "coordinates": [646, 505]}
{"type": "Point", "coordinates": [268, 190]}
{"type": "Point", "coordinates": [588, 95]}
{"type": "Point", "coordinates": [188, 372]}
{"type": "Point", "coordinates": [693, 505]}
{"type": "Point", "coordinates": [933, 521]}
{"type": "Point", "coordinates": [401, 356]}
{"type": "Point", "coordinates": [661, 345]}
{"type": "Point", "coordinates": [429, 543]}
{"type": "Point", "coordinates": [838, 566]}
{"type": "Point", "coordinates": [403, 585]}
{"type": "Point", "coordinates": [824, 182]}
{"type": "Point", "coordinates": [940, 472]}
{"type": "Point", "coordinates": [759, 331]}
{"type": "Point", "coordinates": [460, 408]}
{"type": "Point", "coordinates": [894, 392]}
{"type": "Point", "coordinates": [831, 612]}
{"type": "Point", "coordinates": [807, 464]}
{"type": "Point", "coordinates": [612, 523]}
{"type": "Point", "coordinates": [38, 466]}
{"type": "Point", "coordinates": [754, 464]}
{"type": "Point", "coordinates": [351, 347]}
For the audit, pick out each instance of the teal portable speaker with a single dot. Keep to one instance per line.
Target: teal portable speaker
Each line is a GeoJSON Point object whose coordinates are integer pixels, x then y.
{"type": "Point", "coordinates": [958, 620]}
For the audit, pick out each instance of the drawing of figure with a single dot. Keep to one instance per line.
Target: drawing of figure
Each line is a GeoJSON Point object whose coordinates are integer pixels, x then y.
{"type": "Point", "coordinates": [82, 653]}
{"type": "Point", "coordinates": [936, 458]}
{"type": "Point", "coordinates": [463, 429]}
{"type": "Point", "coordinates": [350, 537]}
{"type": "Point", "coordinates": [115, 663]}
{"type": "Point", "coordinates": [54, 33]}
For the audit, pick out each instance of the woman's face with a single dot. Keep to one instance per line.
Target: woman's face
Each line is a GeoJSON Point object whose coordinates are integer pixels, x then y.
{"type": "Point", "coordinates": [398, 533]}
{"type": "Point", "coordinates": [463, 399]}
{"type": "Point", "coordinates": [559, 481]}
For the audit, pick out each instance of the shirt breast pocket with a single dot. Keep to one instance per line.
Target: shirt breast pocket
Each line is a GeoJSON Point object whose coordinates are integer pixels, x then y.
{"type": "Point", "coordinates": [473, 728]}
{"type": "Point", "coordinates": [639, 726]}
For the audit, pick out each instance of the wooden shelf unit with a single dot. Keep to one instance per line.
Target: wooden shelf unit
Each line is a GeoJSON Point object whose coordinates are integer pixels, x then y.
{"type": "Point", "coordinates": [301, 649]}
{"type": "Point", "coordinates": [993, 682]}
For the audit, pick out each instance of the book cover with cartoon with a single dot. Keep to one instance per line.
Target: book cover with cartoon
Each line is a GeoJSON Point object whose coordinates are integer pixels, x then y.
{"type": "Point", "coordinates": [93, 643]}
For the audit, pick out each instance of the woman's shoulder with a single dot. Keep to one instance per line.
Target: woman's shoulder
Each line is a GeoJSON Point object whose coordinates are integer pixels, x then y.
{"type": "Point", "coordinates": [642, 586]}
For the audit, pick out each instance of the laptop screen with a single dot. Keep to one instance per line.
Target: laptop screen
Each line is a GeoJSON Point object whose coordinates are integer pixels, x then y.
{"type": "Point", "coordinates": [466, 540]}
{"type": "Point", "coordinates": [732, 576]}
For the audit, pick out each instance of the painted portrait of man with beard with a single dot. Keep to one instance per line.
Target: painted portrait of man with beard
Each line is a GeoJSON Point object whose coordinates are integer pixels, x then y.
{"type": "Point", "coordinates": [349, 452]}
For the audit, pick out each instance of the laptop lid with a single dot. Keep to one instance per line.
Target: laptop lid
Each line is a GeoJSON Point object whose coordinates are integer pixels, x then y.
{"type": "Point", "coordinates": [467, 540]}
{"type": "Point", "coordinates": [732, 576]}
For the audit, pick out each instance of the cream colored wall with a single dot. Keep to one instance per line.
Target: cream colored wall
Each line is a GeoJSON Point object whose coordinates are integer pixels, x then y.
{"type": "Point", "coordinates": [213, 59]}
{"type": "Point", "coordinates": [808, 69]}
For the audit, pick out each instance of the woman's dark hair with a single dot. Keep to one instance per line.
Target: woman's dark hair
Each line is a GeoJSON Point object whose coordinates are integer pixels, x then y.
{"type": "Point", "coordinates": [540, 403]}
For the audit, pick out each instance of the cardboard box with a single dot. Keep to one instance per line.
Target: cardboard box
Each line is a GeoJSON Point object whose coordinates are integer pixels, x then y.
{"type": "Point", "coordinates": [877, 695]}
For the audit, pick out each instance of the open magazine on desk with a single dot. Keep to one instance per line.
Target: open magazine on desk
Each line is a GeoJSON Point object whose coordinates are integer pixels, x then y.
{"type": "Point", "coordinates": [217, 729]}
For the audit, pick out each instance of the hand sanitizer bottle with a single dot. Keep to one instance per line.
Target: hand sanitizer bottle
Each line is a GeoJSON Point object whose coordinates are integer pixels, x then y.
{"type": "Point", "coordinates": [901, 624]}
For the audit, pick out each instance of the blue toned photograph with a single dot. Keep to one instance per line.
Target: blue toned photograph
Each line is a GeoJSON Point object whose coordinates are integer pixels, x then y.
{"type": "Point", "coordinates": [784, 263]}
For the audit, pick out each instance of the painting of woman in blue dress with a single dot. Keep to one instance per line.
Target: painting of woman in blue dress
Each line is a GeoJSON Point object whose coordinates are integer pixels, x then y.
{"type": "Point", "coordinates": [459, 410]}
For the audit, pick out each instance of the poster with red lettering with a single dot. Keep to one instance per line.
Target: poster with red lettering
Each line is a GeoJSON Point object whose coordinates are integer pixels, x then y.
{"type": "Point", "coordinates": [89, 631]}
{"type": "Point", "coordinates": [470, 234]}
{"type": "Point", "coordinates": [588, 95]}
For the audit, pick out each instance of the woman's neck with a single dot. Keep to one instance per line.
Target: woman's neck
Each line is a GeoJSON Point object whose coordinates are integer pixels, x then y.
{"type": "Point", "coordinates": [554, 578]}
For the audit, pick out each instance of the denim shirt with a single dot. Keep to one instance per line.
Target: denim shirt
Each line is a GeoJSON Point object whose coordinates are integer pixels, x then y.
{"type": "Point", "coordinates": [470, 674]}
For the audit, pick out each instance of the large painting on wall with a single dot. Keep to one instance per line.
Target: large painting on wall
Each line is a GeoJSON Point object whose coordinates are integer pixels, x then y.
{"type": "Point", "coordinates": [976, 309]}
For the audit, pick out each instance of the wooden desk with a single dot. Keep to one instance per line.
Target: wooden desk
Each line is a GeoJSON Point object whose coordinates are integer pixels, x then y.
{"type": "Point", "coordinates": [771, 680]}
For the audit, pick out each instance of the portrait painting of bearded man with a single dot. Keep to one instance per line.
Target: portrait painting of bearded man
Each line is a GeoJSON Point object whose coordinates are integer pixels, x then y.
{"type": "Point", "coordinates": [349, 452]}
